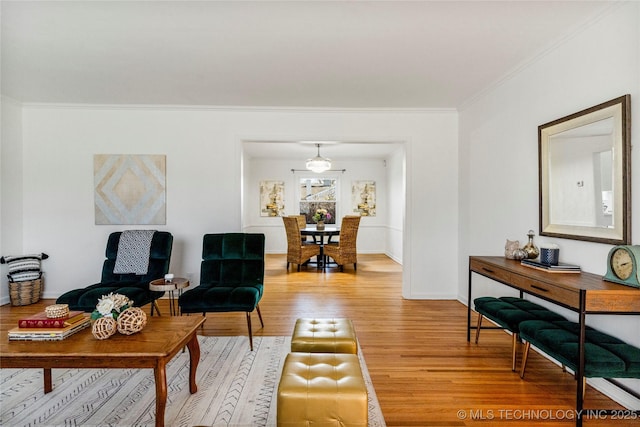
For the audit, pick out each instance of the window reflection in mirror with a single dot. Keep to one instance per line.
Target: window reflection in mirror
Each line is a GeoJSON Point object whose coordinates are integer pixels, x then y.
{"type": "Point", "coordinates": [318, 193]}
{"type": "Point", "coordinates": [579, 172]}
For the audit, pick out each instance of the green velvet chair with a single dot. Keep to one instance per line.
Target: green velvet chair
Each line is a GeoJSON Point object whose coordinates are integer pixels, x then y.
{"type": "Point", "coordinates": [133, 286]}
{"type": "Point", "coordinates": [231, 276]}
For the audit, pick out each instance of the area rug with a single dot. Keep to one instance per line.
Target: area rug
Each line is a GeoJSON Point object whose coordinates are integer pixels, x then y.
{"type": "Point", "coordinates": [236, 387]}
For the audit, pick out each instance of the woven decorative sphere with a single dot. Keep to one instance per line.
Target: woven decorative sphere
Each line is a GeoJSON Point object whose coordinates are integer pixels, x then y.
{"type": "Point", "coordinates": [131, 320]}
{"type": "Point", "coordinates": [104, 327]}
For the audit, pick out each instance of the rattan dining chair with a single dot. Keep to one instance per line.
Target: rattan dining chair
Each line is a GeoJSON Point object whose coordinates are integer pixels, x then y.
{"type": "Point", "coordinates": [344, 251]}
{"type": "Point", "coordinates": [298, 252]}
{"type": "Point", "coordinates": [302, 223]}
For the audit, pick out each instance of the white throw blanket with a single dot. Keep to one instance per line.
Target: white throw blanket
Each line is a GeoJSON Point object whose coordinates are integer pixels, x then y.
{"type": "Point", "coordinates": [134, 249]}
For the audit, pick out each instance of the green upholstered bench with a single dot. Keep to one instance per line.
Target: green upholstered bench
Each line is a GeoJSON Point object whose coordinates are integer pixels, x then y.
{"type": "Point", "coordinates": [509, 312]}
{"type": "Point", "coordinates": [605, 356]}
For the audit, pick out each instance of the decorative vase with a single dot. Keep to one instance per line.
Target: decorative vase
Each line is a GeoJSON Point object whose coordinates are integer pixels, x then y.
{"type": "Point", "coordinates": [320, 225]}
{"type": "Point", "coordinates": [531, 249]}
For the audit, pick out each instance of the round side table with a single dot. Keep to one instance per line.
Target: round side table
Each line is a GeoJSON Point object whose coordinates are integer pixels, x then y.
{"type": "Point", "coordinates": [176, 284]}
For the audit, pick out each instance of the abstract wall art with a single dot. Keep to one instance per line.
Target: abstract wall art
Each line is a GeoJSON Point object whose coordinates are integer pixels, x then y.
{"type": "Point", "coordinates": [363, 198]}
{"type": "Point", "coordinates": [271, 198]}
{"type": "Point", "coordinates": [130, 188]}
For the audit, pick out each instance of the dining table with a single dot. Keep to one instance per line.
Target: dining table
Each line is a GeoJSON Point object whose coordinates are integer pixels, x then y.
{"type": "Point", "coordinates": [319, 237]}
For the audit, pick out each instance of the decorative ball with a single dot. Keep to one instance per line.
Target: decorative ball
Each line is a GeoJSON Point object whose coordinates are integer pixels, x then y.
{"type": "Point", "coordinates": [132, 320]}
{"type": "Point", "coordinates": [104, 327]}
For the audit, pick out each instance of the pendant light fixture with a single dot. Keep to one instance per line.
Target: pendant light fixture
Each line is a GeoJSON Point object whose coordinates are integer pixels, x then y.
{"type": "Point", "coordinates": [318, 164]}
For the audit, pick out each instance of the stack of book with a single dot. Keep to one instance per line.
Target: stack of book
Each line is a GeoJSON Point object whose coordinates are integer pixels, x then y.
{"type": "Point", "coordinates": [558, 268]}
{"type": "Point", "coordinates": [39, 327]}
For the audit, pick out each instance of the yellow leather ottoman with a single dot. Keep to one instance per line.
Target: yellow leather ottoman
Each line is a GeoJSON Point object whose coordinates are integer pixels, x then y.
{"type": "Point", "coordinates": [322, 390]}
{"type": "Point", "coordinates": [324, 336]}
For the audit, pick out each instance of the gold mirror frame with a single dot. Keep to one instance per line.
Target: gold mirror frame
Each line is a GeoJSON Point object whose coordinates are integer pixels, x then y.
{"type": "Point", "coordinates": [570, 136]}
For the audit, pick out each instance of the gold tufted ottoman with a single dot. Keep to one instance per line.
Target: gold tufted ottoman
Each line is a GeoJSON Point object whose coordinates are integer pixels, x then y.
{"type": "Point", "coordinates": [322, 390]}
{"type": "Point", "coordinates": [324, 336]}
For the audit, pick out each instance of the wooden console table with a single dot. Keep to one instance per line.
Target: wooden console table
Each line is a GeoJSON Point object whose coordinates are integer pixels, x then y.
{"type": "Point", "coordinates": [584, 293]}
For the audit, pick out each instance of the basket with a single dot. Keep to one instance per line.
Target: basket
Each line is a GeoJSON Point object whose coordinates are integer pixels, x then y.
{"type": "Point", "coordinates": [27, 292]}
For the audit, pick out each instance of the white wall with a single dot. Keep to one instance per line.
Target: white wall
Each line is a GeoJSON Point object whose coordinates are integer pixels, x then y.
{"type": "Point", "coordinates": [396, 191]}
{"type": "Point", "coordinates": [205, 180]}
{"type": "Point", "coordinates": [372, 233]}
{"type": "Point", "coordinates": [498, 148]}
{"type": "Point", "coordinates": [11, 166]}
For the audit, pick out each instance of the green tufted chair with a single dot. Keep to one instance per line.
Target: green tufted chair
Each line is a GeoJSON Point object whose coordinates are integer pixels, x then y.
{"type": "Point", "coordinates": [231, 276]}
{"type": "Point", "coordinates": [135, 287]}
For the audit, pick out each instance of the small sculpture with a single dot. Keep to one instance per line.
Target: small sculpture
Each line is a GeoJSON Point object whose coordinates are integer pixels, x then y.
{"type": "Point", "coordinates": [510, 247]}
{"type": "Point", "coordinates": [512, 250]}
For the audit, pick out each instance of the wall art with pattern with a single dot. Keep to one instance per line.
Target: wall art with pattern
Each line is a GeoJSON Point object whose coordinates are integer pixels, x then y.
{"type": "Point", "coordinates": [271, 198]}
{"type": "Point", "coordinates": [130, 188]}
{"type": "Point", "coordinates": [363, 198]}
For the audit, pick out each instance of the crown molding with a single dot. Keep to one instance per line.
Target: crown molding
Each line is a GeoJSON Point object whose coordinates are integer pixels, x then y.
{"type": "Point", "coordinates": [232, 108]}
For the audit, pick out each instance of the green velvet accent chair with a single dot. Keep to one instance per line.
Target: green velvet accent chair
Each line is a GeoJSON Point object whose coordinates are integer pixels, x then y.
{"type": "Point", "coordinates": [133, 286]}
{"type": "Point", "coordinates": [231, 277]}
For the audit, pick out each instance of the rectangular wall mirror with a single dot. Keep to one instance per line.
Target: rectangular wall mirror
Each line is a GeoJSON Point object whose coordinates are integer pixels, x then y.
{"type": "Point", "coordinates": [584, 174]}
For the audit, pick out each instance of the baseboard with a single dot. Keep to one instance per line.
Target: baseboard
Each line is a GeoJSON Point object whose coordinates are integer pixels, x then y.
{"type": "Point", "coordinates": [394, 258]}
{"type": "Point", "coordinates": [615, 393]}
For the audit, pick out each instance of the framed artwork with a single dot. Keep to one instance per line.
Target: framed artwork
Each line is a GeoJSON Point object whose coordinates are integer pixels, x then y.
{"type": "Point", "coordinates": [130, 189]}
{"type": "Point", "coordinates": [271, 198]}
{"type": "Point", "coordinates": [363, 198]}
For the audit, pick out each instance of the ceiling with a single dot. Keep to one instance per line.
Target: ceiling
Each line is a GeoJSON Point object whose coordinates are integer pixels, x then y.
{"type": "Point", "coordinates": [336, 54]}
{"type": "Point", "coordinates": [308, 54]}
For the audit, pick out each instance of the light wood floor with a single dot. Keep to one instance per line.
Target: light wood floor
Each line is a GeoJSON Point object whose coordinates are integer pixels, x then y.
{"type": "Point", "coordinates": [424, 371]}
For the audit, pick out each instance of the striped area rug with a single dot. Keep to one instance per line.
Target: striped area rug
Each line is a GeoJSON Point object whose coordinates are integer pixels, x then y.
{"type": "Point", "coordinates": [236, 387]}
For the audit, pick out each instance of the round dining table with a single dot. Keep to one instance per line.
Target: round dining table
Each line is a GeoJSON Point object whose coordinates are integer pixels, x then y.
{"type": "Point", "coordinates": [319, 239]}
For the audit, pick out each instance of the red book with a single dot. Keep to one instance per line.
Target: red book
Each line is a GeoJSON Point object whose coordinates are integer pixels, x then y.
{"type": "Point", "coordinates": [40, 320]}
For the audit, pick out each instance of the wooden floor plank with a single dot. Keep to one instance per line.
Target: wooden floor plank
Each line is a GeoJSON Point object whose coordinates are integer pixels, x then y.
{"type": "Point", "coordinates": [424, 371]}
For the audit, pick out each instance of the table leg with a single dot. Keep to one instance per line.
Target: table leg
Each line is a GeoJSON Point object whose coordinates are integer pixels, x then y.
{"type": "Point", "coordinates": [48, 385]}
{"type": "Point", "coordinates": [194, 359]}
{"type": "Point", "coordinates": [160, 373]}
{"type": "Point", "coordinates": [172, 307]}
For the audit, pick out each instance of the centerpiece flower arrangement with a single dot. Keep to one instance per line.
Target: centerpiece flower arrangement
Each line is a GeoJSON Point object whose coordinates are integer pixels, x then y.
{"type": "Point", "coordinates": [111, 306]}
{"type": "Point", "coordinates": [320, 217]}
{"type": "Point", "coordinates": [115, 312]}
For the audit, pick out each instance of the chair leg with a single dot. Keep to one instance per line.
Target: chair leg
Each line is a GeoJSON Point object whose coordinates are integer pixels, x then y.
{"type": "Point", "coordinates": [478, 327]}
{"type": "Point", "coordinates": [525, 354]}
{"type": "Point", "coordinates": [355, 266]}
{"type": "Point", "coordinates": [250, 334]}
{"type": "Point", "coordinates": [259, 315]}
{"type": "Point", "coordinates": [298, 267]}
{"type": "Point", "coordinates": [514, 351]}
{"type": "Point", "coordinates": [155, 304]}
{"type": "Point", "coordinates": [287, 265]}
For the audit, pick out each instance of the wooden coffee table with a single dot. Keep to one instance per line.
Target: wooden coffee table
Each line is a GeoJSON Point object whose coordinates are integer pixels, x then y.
{"type": "Point", "coordinates": [153, 347]}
